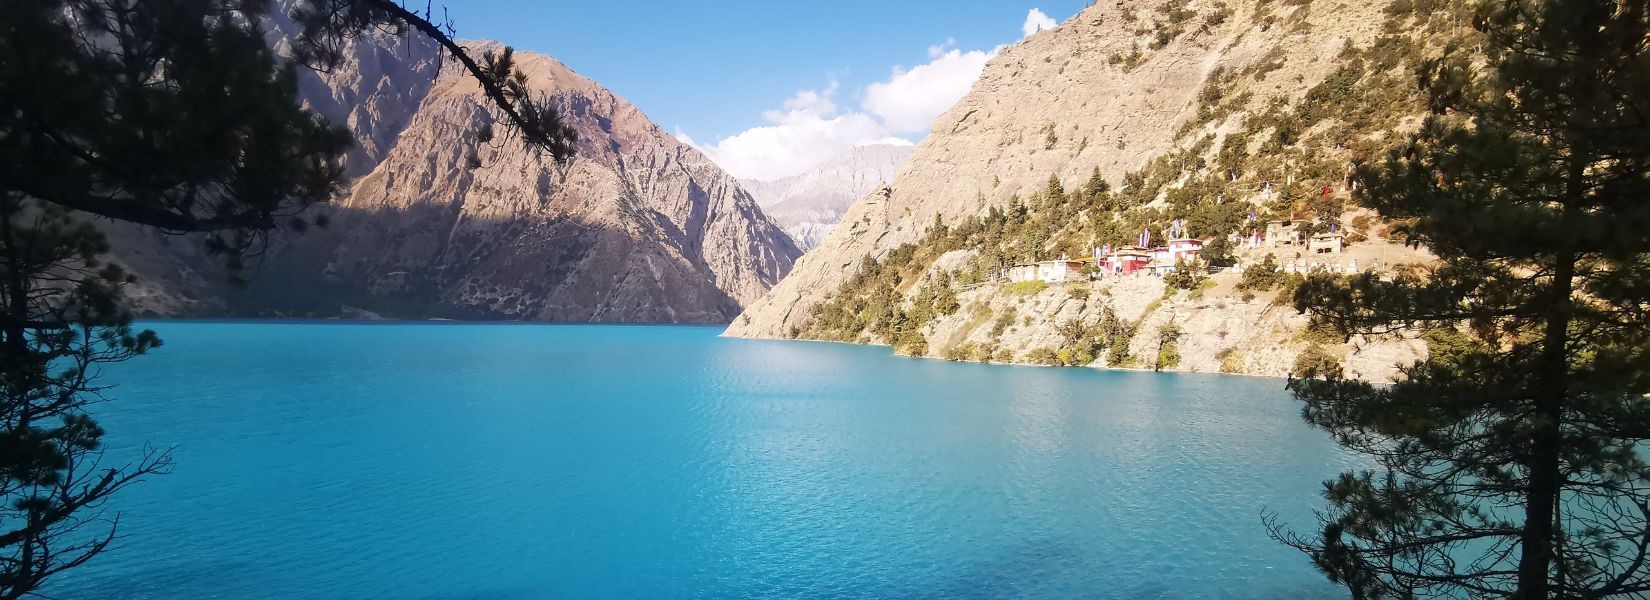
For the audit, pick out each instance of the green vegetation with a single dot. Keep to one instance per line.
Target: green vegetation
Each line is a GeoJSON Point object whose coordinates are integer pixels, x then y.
{"type": "Point", "coordinates": [911, 343]}
{"type": "Point", "coordinates": [1042, 356]}
{"type": "Point", "coordinates": [1168, 346]}
{"type": "Point", "coordinates": [1262, 277]}
{"type": "Point", "coordinates": [1186, 276]}
{"type": "Point", "coordinates": [1316, 361]}
{"type": "Point", "coordinates": [1115, 334]}
{"type": "Point", "coordinates": [1170, 22]}
{"type": "Point", "coordinates": [969, 352]}
{"type": "Point", "coordinates": [1510, 462]}
{"type": "Point", "coordinates": [872, 304]}
{"type": "Point", "coordinates": [1003, 322]}
{"type": "Point", "coordinates": [1080, 343]}
{"type": "Point", "coordinates": [1450, 345]}
{"type": "Point", "coordinates": [1027, 288]}
{"type": "Point", "coordinates": [1230, 360]}
{"type": "Point", "coordinates": [1319, 333]}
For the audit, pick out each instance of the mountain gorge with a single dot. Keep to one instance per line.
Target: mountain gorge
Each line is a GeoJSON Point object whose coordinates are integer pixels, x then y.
{"type": "Point", "coordinates": [1132, 118]}
{"type": "Point", "coordinates": [443, 220]}
{"type": "Point", "coordinates": [807, 205]}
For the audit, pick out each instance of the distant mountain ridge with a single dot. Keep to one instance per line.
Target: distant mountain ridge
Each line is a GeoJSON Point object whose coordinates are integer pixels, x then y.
{"type": "Point", "coordinates": [809, 204]}
{"type": "Point", "coordinates": [638, 227]}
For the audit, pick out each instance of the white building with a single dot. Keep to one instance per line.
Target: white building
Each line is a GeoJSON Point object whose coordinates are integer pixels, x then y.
{"type": "Point", "coordinates": [1050, 271]}
{"type": "Point", "coordinates": [1326, 243]}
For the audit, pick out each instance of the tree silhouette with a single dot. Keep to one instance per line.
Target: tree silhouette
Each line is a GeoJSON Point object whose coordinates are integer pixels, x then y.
{"type": "Point", "coordinates": [1511, 462]}
{"type": "Point", "coordinates": [173, 114]}
{"type": "Point", "coordinates": [326, 24]}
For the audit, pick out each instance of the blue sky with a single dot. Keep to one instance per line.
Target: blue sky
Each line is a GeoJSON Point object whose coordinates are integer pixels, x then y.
{"type": "Point", "coordinates": [767, 88]}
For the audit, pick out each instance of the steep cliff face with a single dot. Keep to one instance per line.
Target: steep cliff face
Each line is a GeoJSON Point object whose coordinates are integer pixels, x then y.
{"type": "Point", "coordinates": [1113, 89]}
{"type": "Point", "coordinates": [374, 91]}
{"type": "Point", "coordinates": [441, 222]}
{"type": "Point", "coordinates": [807, 205]}
{"type": "Point", "coordinates": [638, 227]}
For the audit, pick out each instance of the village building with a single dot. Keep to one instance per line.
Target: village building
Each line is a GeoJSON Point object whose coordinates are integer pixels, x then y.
{"type": "Point", "coordinates": [1059, 271]}
{"type": "Point", "coordinates": [1018, 273]}
{"type": "Point", "coordinates": [1326, 243]}
{"type": "Point", "coordinates": [1124, 261]}
{"type": "Point", "coordinates": [1283, 233]}
{"type": "Point", "coordinates": [1160, 268]}
{"type": "Point", "coordinates": [1049, 271]}
{"type": "Point", "coordinates": [1163, 259]}
{"type": "Point", "coordinates": [1184, 250]}
{"type": "Point", "coordinates": [1159, 260]}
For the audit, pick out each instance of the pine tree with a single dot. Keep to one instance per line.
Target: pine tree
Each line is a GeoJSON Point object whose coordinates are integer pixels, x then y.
{"type": "Point", "coordinates": [174, 114]}
{"type": "Point", "coordinates": [1511, 462]}
{"type": "Point", "coordinates": [1096, 190]}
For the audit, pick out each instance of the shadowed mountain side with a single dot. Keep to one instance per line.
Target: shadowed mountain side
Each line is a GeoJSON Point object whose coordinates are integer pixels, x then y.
{"type": "Point", "coordinates": [527, 270]}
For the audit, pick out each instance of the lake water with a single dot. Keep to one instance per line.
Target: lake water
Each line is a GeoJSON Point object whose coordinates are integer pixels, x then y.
{"type": "Point", "coordinates": [446, 461]}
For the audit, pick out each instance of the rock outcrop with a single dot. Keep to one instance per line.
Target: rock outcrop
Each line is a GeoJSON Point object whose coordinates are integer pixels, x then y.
{"type": "Point", "coordinates": [638, 227]}
{"type": "Point", "coordinates": [1112, 88]}
{"type": "Point", "coordinates": [442, 220]}
{"type": "Point", "coordinates": [809, 204]}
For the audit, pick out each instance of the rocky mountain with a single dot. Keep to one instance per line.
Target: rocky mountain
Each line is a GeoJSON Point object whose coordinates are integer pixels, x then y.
{"type": "Point", "coordinates": [441, 220]}
{"type": "Point", "coordinates": [809, 204]}
{"type": "Point", "coordinates": [1124, 117]}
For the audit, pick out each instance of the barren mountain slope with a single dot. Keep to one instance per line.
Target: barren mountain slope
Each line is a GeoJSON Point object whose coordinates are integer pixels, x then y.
{"type": "Point", "coordinates": [637, 227]}
{"type": "Point", "coordinates": [807, 205]}
{"type": "Point", "coordinates": [1111, 89]}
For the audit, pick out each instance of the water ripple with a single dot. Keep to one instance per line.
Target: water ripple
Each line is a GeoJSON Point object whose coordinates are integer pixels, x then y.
{"type": "Point", "coordinates": [462, 461]}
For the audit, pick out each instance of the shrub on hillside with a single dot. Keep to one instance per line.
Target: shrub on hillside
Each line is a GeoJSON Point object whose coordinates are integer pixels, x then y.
{"type": "Point", "coordinates": [1315, 363]}
{"type": "Point", "coordinates": [1186, 275]}
{"type": "Point", "coordinates": [1261, 277]}
{"type": "Point", "coordinates": [1168, 346]}
{"type": "Point", "coordinates": [1230, 361]}
{"type": "Point", "coordinates": [1042, 356]}
{"type": "Point", "coordinates": [1028, 288]}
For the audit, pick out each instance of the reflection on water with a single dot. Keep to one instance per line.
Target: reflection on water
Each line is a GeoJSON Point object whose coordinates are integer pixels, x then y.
{"type": "Point", "coordinates": [471, 461]}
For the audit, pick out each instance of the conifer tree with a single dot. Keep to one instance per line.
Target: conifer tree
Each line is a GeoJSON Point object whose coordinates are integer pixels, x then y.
{"type": "Point", "coordinates": [174, 114]}
{"type": "Point", "coordinates": [1511, 462]}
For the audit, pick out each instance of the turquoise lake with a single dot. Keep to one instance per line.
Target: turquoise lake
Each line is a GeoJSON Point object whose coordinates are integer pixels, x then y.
{"type": "Point", "coordinates": [468, 461]}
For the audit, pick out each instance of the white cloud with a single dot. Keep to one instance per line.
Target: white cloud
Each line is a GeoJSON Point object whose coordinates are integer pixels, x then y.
{"type": "Point", "coordinates": [810, 127]}
{"type": "Point", "coordinates": [683, 137]}
{"type": "Point", "coordinates": [1037, 21]}
{"type": "Point", "coordinates": [806, 132]}
{"type": "Point", "coordinates": [938, 50]}
{"type": "Point", "coordinates": [806, 103]}
{"type": "Point", "coordinates": [909, 101]}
